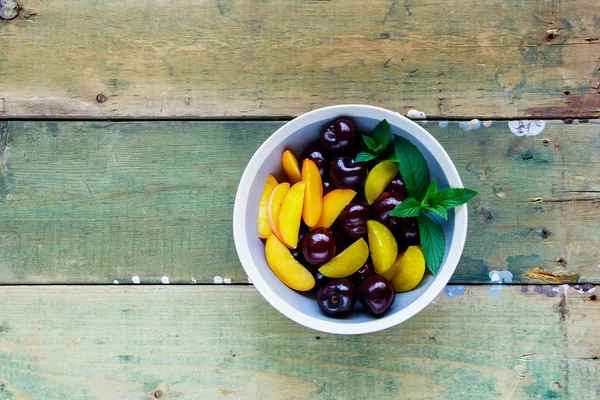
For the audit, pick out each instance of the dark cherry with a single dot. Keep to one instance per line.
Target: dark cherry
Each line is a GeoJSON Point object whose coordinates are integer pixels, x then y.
{"type": "Point", "coordinates": [353, 219]}
{"type": "Point", "coordinates": [383, 205]}
{"type": "Point", "coordinates": [320, 279]}
{"type": "Point", "coordinates": [341, 241]}
{"type": "Point", "coordinates": [407, 233]}
{"type": "Point", "coordinates": [339, 137]}
{"type": "Point", "coordinates": [397, 186]}
{"type": "Point", "coordinates": [363, 273]}
{"type": "Point", "coordinates": [345, 173]}
{"type": "Point", "coordinates": [376, 294]}
{"type": "Point", "coordinates": [327, 187]}
{"type": "Point", "coordinates": [318, 246]}
{"type": "Point", "coordinates": [337, 297]}
{"type": "Point", "coordinates": [314, 152]}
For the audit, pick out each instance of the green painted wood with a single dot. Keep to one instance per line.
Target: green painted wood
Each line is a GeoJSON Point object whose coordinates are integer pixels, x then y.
{"type": "Point", "coordinates": [100, 201]}
{"type": "Point", "coordinates": [248, 58]}
{"type": "Point", "coordinates": [226, 342]}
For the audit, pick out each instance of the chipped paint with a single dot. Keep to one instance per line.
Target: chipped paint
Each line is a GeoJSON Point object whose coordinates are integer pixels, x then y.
{"type": "Point", "coordinates": [550, 277]}
{"type": "Point", "coordinates": [470, 125]}
{"type": "Point", "coordinates": [524, 288]}
{"type": "Point", "coordinates": [549, 291]}
{"type": "Point", "coordinates": [416, 114]}
{"type": "Point", "coordinates": [498, 277]}
{"type": "Point", "coordinates": [194, 280]}
{"type": "Point", "coordinates": [217, 280]}
{"type": "Point", "coordinates": [165, 280]}
{"type": "Point", "coordinates": [525, 127]}
{"type": "Point", "coordinates": [443, 124]}
{"type": "Point", "coordinates": [250, 280]}
{"type": "Point", "coordinates": [135, 279]}
{"type": "Point", "coordinates": [494, 290]}
{"type": "Point", "coordinates": [487, 124]}
{"type": "Point", "coordinates": [586, 288]}
{"type": "Point", "coordinates": [227, 281]}
{"type": "Point", "coordinates": [116, 282]}
{"type": "Point", "coordinates": [455, 290]}
{"type": "Point", "coordinates": [9, 197]}
{"type": "Point", "coordinates": [565, 288]}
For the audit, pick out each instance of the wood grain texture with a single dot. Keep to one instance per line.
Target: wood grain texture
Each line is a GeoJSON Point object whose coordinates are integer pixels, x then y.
{"type": "Point", "coordinates": [227, 342]}
{"type": "Point", "coordinates": [248, 58]}
{"type": "Point", "coordinates": [97, 202]}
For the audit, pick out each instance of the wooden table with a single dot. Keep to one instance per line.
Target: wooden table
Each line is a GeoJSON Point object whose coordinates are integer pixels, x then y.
{"type": "Point", "coordinates": [125, 127]}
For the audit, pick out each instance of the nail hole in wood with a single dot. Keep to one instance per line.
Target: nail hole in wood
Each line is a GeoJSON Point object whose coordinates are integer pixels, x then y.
{"type": "Point", "coordinates": [101, 98]}
{"type": "Point", "coordinates": [593, 297]}
{"type": "Point", "coordinates": [158, 394]}
{"type": "Point", "coordinates": [567, 92]}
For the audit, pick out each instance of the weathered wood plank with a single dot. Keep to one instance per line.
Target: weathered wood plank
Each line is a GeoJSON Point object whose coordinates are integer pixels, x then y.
{"type": "Point", "coordinates": [97, 202]}
{"type": "Point", "coordinates": [183, 58]}
{"type": "Point", "coordinates": [129, 342]}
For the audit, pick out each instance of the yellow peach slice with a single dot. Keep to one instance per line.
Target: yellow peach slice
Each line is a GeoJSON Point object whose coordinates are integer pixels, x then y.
{"type": "Point", "coordinates": [290, 166]}
{"type": "Point", "coordinates": [410, 269]}
{"type": "Point", "coordinates": [264, 227]}
{"type": "Point", "coordinates": [333, 204]}
{"type": "Point", "coordinates": [290, 215]}
{"type": "Point", "coordinates": [348, 261]}
{"type": "Point", "coordinates": [274, 206]}
{"type": "Point", "coordinates": [390, 273]}
{"type": "Point", "coordinates": [313, 195]}
{"type": "Point", "coordinates": [382, 245]}
{"type": "Point", "coordinates": [379, 177]}
{"type": "Point", "coordinates": [285, 267]}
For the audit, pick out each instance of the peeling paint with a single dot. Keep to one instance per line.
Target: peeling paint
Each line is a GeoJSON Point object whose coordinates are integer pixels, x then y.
{"type": "Point", "coordinates": [455, 290]}
{"type": "Point", "coordinates": [165, 280]}
{"type": "Point", "coordinates": [494, 290]}
{"type": "Point", "coordinates": [116, 282]}
{"type": "Point", "coordinates": [416, 114]}
{"type": "Point", "coordinates": [227, 281]}
{"type": "Point", "coordinates": [250, 280]}
{"type": "Point", "coordinates": [497, 277]}
{"type": "Point", "coordinates": [544, 276]}
{"type": "Point", "coordinates": [487, 124]}
{"type": "Point", "coordinates": [443, 124]}
{"type": "Point", "coordinates": [135, 279]}
{"type": "Point", "coordinates": [217, 280]}
{"type": "Point", "coordinates": [586, 288]}
{"type": "Point", "coordinates": [525, 127]}
{"type": "Point", "coordinates": [194, 280]}
{"type": "Point", "coordinates": [547, 290]}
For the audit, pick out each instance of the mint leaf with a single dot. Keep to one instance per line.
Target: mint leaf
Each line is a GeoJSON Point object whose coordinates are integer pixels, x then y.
{"type": "Point", "coordinates": [431, 191]}
{"type": "Point", "coordinates": [452, 197]}
{"type": "Point", "coordinates": [408, 208]}
{"type": "Point", "coordinates": [363, 156]}
{"type": "Point", "coordinates": [432, 242]}
{"type": "Point", "coordinates": [381, 134]}
{"type": "Point", "coordinates": [369, 142]}
{"type": "Point", "coordinates": [441, 211]}
{"type": "Point", "coordinates": [413, 167]}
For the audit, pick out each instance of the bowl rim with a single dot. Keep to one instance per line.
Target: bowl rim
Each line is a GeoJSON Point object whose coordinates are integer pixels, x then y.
{"type": "Point", "coordinates": [376, 324]}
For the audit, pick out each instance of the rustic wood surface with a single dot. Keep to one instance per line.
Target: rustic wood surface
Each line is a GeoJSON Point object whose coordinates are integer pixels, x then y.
{"type": "Point", "coordinates": [213, 342]}
{"type": "Point", "coordinates": [226, 58]}
{"type": "Point", "coordinates": [96, 202]}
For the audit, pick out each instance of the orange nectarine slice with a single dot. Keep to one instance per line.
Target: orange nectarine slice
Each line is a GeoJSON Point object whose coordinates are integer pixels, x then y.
{"type": "Point", "coordinates": [333, 204]}
{"type": "Point", "coordinates": [290, 166]}
{"type": "Point", "coordinates": [274, 206]}
{"type": "Point", "coordinates": [313, 195]}
{"type": "Point", "coordinates": [285, 267]}
{"type": "Point", "coordinates": [348, 261]}
{"type": "Point", "coordinates": [379, 177]}
{"type": "Point", "coordinates": [290, 215]}
{"type": "Point", "coordinates": [383, 246]}
{"type": "Point", "coordinates": [264, 227]}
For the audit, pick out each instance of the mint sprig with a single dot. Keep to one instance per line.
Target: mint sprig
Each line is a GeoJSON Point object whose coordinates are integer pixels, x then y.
{"type": "Point", "coordinates": [425, 199]}
{"type": "Point", "coordinates": [376, 145]}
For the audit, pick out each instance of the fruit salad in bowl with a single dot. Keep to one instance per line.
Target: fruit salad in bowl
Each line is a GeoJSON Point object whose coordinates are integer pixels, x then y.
{"type": "Point", "coordinates": [350, 219]}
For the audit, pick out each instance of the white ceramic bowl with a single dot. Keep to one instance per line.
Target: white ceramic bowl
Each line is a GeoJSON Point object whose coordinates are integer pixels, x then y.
{"type": "Point", "coordinates": [296, 135]}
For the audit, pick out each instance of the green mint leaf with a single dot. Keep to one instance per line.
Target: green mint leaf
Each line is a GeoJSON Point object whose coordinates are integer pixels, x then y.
{"type": "Point", "coordinates": [441, 211]}
{"type": "Point", "coordinates": [431, 191]}
{"type": "Point", "coordinates": [452, 197]}
{"type": "Point", "coordinates": [408, 208]}
{"type": "Point", "coordinates": [413, 167]}
{"type": "Point", "coordinates": [381, 134]}
{"type": "Point", "coordinates": [369, 143]}
{"type": "Point", "coordinates": [363, 156]}
{"type": "Point", "coordinates": [432, 242]}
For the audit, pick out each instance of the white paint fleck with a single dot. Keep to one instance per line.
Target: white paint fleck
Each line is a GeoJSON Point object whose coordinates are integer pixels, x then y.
{"type": "Point", "coordinates": [443, 124]}
{"type": "Point", "coordinates": [416, 114]}
{"type": "Point", "coordinates": [116, 282]}
{"type": "Point", "coordinates": [165, 280]}
{"type": "Point", "coordinates": [9, 9]}
{"type": "Point", "coordinates": [9, 197]}
{"type": "Point", "coordinates": [135, 279]}
{"type": "Point", "coordinates": [527, 127]}
{"type": "Point", "coordinates": [194, 280]}
{"type": "Point", "coordinates": [565, 288]}
{"type": "Point", "coordinates": [250, 280]}
{"type": "Point", "coordinates": [497, 277]}
{"type": "Point", "coordinates": [454, 290]}
{"type": "Point", "coordinates": [470, 125]}
{"type": "Point", "coordinates": [218, 280]}
{"type": "Point", "coordinates": [227, 281]}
